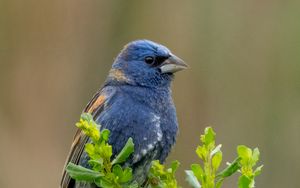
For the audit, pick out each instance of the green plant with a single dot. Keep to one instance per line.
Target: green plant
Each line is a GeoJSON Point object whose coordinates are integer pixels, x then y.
{"type": "Point", "coordinates": [248, 160]}
{"type": "Point", "coordinates": [103, 172]}
{"type": "Point", "coordinates": [160, 178]}
{"type": "Point", "coordinates": [109, 173]}
{"type": "Point", "coordinates": [207, 175]}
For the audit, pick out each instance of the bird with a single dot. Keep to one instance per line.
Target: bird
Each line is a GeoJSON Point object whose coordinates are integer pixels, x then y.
{"type": "Point", "coordinates": [134, 101]}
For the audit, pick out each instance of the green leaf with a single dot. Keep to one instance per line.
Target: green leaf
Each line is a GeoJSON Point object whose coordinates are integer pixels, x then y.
{"type": "Point", "coordinates": [244, 182]}
{"type": "Point", "coordinates": [255, 156]}
{"type": "Point", "coordinates": [124, 176]}
{"type": "Point", "coordinates": [244, 153]}
{"type": "Point", "coordinates": [96, 164]}
{"type": "Point", "coordinates": [158, 177]}
{"type": "Point", "coordinates": [201, 152]}
{"type": "Point", "coordinates": [219, 183]}
{"type": "Point", "coordinates": [125, 152]}
{"type": "Point", "coordinates": [127, 175]}
{"type": "Point", "coordinates": [191, 179]}
{"type": "Point", "coordinates": [216, 160]}
{"type": "Point", "coordinates": [105, 134]}
{"type": "Point", "coordinates": [198, 171]}
{"type": "Point", "coordinates": [104, 182]}
{"type": "Point", "coordinates": [258, 170]}
{"type": "Point", "coordinates": [231, 169]}
{"type": "Point", "coordinates": [117, 170]}
{"type": "Point", "coordinates": [174, 166]}
{"type": "Point", "coordinates": [209, 136]}
{"type": "Point", "coordinates": [157, 169]}
{"type": "Point", "coordinates": [105, 151]}
{"type": "Point", "coordinates": [91, 151]}
{"type": "Point", "coordinates": [89, 127]}
{"type": "Point", "coordinates": [82, 174]}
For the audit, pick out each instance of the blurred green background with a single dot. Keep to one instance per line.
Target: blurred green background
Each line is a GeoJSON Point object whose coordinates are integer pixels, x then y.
{"type": "Point", "coordinates": [244, 78]}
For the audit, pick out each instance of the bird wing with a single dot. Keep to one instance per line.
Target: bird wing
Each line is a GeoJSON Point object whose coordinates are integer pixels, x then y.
{"type": "Point", "coordinates": [95, 107]}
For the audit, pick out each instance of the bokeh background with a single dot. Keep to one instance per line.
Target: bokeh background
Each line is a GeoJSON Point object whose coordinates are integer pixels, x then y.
{"type": "Point", "coordinates": [244, 78]}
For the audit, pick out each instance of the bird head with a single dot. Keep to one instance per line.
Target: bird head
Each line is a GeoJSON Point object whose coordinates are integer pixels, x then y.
{"type": "Point", "coordinates": [145, 63]}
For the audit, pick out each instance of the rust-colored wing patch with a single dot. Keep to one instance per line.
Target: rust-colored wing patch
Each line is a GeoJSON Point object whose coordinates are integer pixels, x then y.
{"type": "Point", "coordinates": [97, 103]}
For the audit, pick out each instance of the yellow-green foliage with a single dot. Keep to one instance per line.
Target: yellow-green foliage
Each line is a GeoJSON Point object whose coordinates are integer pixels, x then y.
{"type": "Point", "coordinates": [206, 175]}
{"type": "Point", "coordinates": [160, 177]}
{"type": "Point", "coordinates": [108, 173]}
{"type": "Point", "coordinates": [104, 172]}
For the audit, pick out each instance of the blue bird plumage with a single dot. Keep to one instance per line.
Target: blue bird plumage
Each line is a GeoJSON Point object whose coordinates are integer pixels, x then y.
{"type": "Point", "coordinates": [135, 101]}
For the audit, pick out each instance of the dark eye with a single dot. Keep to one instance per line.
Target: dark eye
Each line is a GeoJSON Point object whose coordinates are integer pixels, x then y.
{"type": "Point", "coordinates": [149, 59]}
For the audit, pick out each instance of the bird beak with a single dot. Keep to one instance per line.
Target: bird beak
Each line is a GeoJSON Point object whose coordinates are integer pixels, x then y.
{"type": "Point", "coordinates": [173, 64]}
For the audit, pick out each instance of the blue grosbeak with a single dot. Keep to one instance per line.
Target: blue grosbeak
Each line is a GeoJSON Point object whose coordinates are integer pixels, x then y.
{"type": "Point", "coordinates": [135, 101]}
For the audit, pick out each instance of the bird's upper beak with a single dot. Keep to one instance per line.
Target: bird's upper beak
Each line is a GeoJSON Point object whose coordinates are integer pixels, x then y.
{"type": "Point", "coordinates": [173, 64]}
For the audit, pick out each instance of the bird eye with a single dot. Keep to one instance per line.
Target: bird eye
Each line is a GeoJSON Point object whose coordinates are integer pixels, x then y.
{"type": "Point", "coordinates": [149, 60]}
